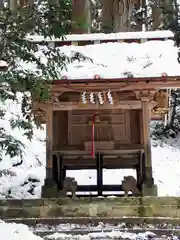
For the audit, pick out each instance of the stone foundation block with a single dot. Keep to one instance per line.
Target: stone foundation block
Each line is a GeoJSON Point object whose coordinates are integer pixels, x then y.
{"type": "Point", "coordinates": [49, 190]}
{"type": "Point", "coordinates": [149, 191]}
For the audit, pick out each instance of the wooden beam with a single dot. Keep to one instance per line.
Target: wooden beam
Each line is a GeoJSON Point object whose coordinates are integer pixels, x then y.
{"type": "Point", "coordinates": [117, 85]}
{"type": "Point", "coordinates": [104, 152]}
{"type": "Point", "coordinates": [122, 165]}
{"type": "Point", "coordinates": [68, 106]}
{"type": "Point", "coordinates": [117, 80]}
{"type": "Point", "coordinates": [94, 188]}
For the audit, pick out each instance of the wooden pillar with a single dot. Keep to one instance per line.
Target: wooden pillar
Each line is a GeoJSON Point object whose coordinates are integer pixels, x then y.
{"type": "Point", "coordinates": [49, 189]}
{"type": "Point", "coordinates": [140, 172]}
{"type": "Point", "coordinates": [146, 140]}
{"type": "Point", "coordinates": [55, 169]}
{"type": "Point", "coordinates": [61, 169]}
{"type": "Point", "coordinates": [49, 142]}
{"type": "Point", "coordinates": [64, 172]}
{"type": "Point", "coordinates": [99, 162]}
{"type": "Point", "coordinates": [60, 172]}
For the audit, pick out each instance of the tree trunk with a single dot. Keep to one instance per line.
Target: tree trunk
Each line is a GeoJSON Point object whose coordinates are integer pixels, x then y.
{"type": "Point", "coordinates": [1, 4]}
{"type": "Point", "coordinates": [107, 16]}
{"type": "Point", "coordinates": [81, 16]}
{"type": "Point", "coordinates": [117, 15]}
{"type": "Point", "coordinates": [158, 18]}
{"type": "Point", "coordinates": [13, 5]}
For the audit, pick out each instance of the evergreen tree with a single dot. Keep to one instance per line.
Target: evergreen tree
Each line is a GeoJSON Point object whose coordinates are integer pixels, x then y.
{"type": "Point", "coordinates": [27, 72]}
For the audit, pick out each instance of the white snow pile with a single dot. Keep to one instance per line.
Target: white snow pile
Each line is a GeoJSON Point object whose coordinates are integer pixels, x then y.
{"type": "Point", "coordinates": [166, 160]}
{"type": "Point", "coordinates": [12, 231]}
{"type": "Point", "coordinates": [120, 60]}
{"type": "Point", "coordinates": [103, 235]}
{"type": "Point", "coordinates": [25, 179]}
{"type": "Point", "coordinates": [15, 231]}
{"type": "Point", "coordinates": [112, 60]}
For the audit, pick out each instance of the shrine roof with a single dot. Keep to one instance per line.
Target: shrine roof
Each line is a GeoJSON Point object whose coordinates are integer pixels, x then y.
{"type": "Point", "coordinates": [116, 60]}
{"type": "Point", "coordinates": [120, 60]}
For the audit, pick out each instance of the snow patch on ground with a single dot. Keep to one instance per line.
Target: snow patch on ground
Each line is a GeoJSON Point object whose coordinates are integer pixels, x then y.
{"type": "Point", "coordinates": [166, 162]}
{"type": "Point", "coordinates": [103, 235]}
{"type": "Point", "coordinates": [16, 232]}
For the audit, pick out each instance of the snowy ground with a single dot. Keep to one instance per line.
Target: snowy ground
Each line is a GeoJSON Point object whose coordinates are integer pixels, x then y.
{"type": "Point", "coordinates": [16, 232]}
{"type": "Point", "coordinates": [27, 179]}
{"type": "Point", "coordinates": [19, 231]}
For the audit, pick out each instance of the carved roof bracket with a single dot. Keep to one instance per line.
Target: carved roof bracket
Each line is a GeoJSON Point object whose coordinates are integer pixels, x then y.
{"type": "Point", "coordinates": [145, 96]}
{"type": "Point", "coordinates": [55, 97]}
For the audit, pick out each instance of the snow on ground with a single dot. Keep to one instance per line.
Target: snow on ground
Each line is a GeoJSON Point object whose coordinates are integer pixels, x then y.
{"type": "Point", "coordinates": [103, 235]}
{"type": "Point", "coordinates": [16, 232]}
{"type": "Point", "coordinates": [166, 162]}
{"type": "Point", "coordinates": [18, 181]}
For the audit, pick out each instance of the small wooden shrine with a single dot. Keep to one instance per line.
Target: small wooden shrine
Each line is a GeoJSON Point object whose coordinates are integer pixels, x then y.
{"type": "Point", "coordinates": [103, 123]}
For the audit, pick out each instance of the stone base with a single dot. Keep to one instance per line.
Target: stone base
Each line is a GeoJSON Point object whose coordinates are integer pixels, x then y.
{"type": "Point", "coordinates": [49, 190]}
{"type": "Point", "coordinates": [149, 191]}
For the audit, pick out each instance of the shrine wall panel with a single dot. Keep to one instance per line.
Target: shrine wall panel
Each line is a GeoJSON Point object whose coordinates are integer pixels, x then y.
{"type": "Point", "coordinates": [135, 126]}
{"type": "Point", "coordinates": [74, 128]}
{"type": "Point", "coordinates": [60, 129]}
{"type": "Point", "coordinates": [113, 126]}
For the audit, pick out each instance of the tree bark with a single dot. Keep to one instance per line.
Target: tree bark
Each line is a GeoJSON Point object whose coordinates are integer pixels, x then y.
{"type": "Point", "coordinates": [1, 4]}
{"type": "Point", "coordinates": [29, 3]}
{"type": "Point", "coordinates": [13, 5]}
{"type": "Point", "coordinates": [107, 16]}
{"type": "Point", "coordinates": [117, 15]}
{"type": "Point", "coordinates": [81, 16]}
{"type": "Point", "coordinates": [158, 18]}
{"type": "Point", "coordinates": [124, 20]}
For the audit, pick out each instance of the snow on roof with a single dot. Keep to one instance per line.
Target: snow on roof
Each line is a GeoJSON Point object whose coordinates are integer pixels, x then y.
{"type": "Point", "coordinates": [118, 60]}
{"type": "Point", "coordinates": [110, 36]}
